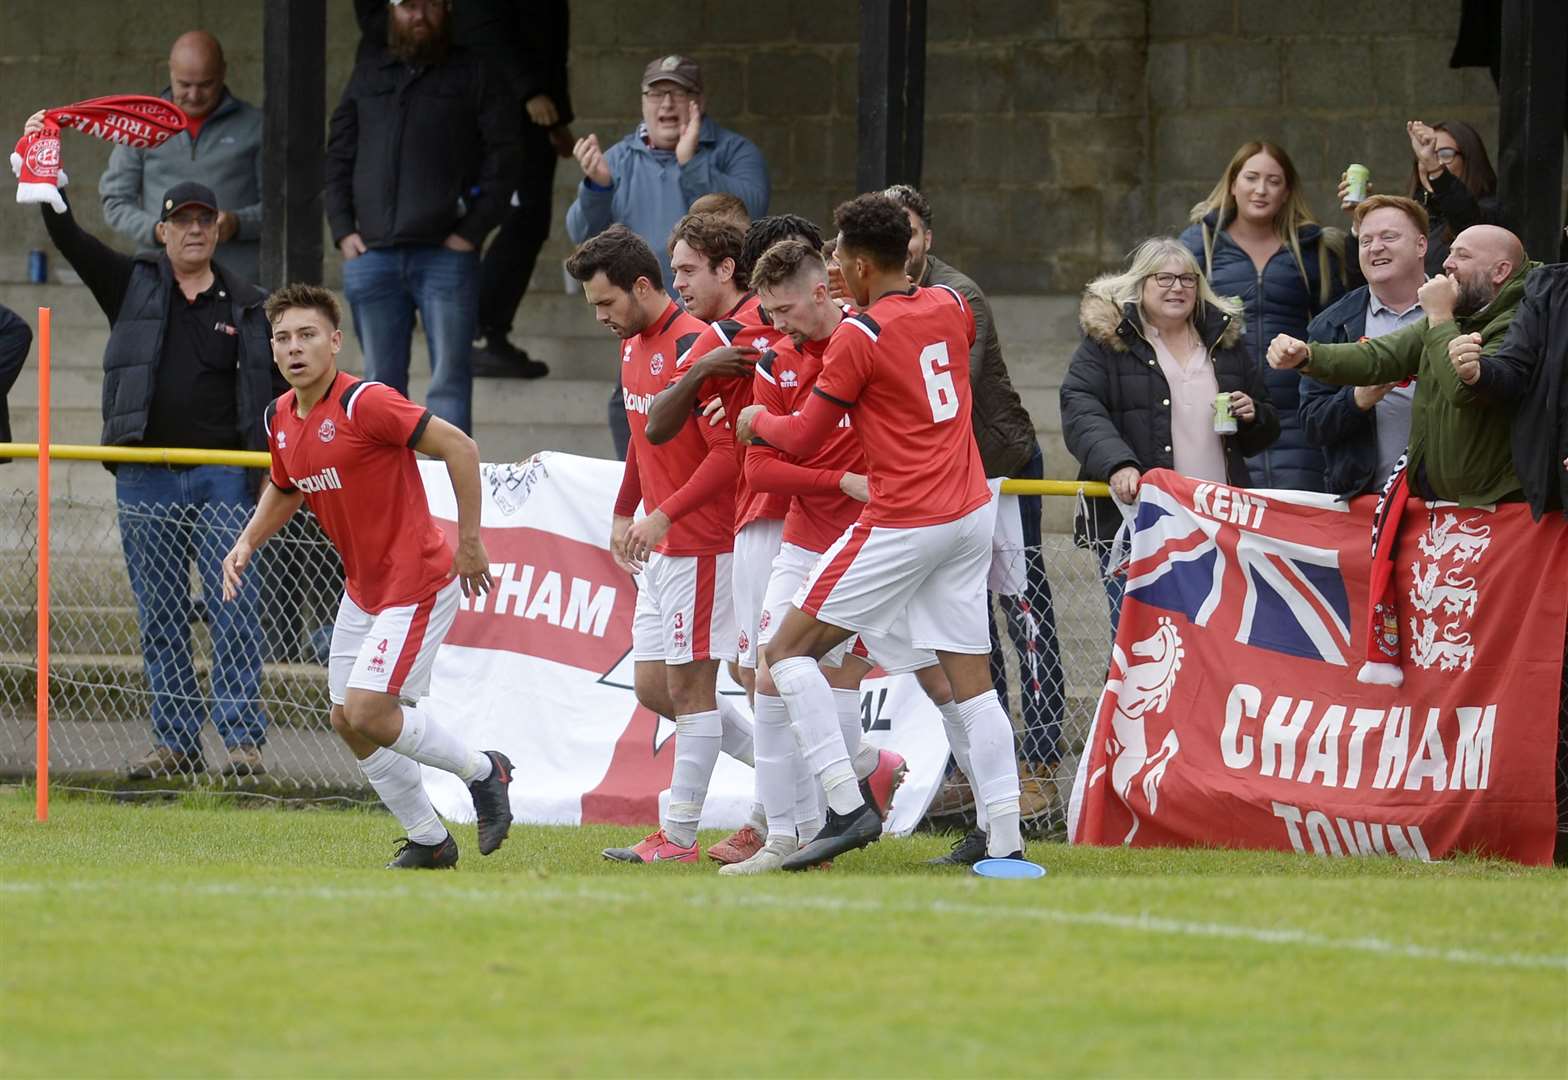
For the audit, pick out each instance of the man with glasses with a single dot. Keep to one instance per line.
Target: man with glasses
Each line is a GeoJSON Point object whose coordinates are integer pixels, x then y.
{"type": "Point", "coordinates": [648, 181]}
{"type": "Point", "coordinates": [188, 364]}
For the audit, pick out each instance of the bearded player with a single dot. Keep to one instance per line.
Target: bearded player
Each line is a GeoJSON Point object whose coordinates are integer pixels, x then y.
{"type": "Point", "coordinates": [684, 624]}
{"type": "Point", "coordinates": [914, 565]}
{"type": "Point", "coordinates": [345, 447]}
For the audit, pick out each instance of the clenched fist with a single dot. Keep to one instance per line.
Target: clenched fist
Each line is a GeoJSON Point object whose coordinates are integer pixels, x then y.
{"type": "Point", "coordinates": [1287, 353]}
{"type": "Point", "coordinates": [1438, 297]}
{"type": "Point", "coordinates": [1464, 352]}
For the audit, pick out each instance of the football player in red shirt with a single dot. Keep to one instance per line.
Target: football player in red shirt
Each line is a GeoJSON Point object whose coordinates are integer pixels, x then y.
{"type": "Point", "coordinates": [346, 448]}
{"type": "Point", "coordinates": [916, 560]}
{"type": "Point", "coordinates": [684, 623]}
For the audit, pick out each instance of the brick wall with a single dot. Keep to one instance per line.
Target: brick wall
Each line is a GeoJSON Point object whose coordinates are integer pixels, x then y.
{"type": "Point", "coordinates": [1059, 132]}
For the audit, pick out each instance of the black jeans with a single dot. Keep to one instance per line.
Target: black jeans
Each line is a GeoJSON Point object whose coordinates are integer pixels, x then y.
{"type": "Point", "coordinates": [1031, 628]}
{"type": "Point", "coordinates": [509, 260]}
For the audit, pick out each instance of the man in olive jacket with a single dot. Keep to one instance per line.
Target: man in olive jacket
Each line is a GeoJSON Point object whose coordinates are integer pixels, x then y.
{"type": "Point", "coordinates": [1459, 440]}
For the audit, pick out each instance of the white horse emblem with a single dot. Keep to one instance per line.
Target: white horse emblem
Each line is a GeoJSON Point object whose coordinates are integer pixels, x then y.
{"type": "Point", "coordinates": [1142, 690]}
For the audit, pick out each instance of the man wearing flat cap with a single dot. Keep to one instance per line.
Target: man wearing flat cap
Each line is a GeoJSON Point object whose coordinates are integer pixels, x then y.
{"type": "Point", "coordinates": [649, 179]}
{"type": "Point", "coordinates": [188, 364]}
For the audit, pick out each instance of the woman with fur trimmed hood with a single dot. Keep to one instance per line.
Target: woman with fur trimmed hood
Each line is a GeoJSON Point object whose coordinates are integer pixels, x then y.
{"type": "Point", "coordinates": [1159, 346]}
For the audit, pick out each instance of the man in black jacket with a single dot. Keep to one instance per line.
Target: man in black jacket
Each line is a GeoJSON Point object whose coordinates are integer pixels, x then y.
{"type": "Point", "coordinates": [1363, 430]}
{"type": "Point", "coordinates": [188, 364]}
{"type": "Point", "coordinates": [421, 161]}
{"type": "Point", "coordinates": [16, 338]}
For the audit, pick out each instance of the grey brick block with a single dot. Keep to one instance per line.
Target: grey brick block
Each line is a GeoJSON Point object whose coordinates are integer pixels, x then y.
{"type": "Point", "coordinates": [1191, 18]}
{"type": "Point", "coordinates": [1102, 18]}
{"type": "Point", "coordinates": [1328, 74]}
{"type": "Point", "coordinates": [1234, 75]}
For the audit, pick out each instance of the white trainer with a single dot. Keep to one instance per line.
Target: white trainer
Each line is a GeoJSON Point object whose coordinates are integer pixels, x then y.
{"type": "Point", "coordinates": [773, 853]}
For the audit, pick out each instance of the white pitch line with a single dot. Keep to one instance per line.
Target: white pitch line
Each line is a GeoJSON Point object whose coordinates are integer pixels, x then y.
{"type": "Point", "coordinates": [1141, 923]}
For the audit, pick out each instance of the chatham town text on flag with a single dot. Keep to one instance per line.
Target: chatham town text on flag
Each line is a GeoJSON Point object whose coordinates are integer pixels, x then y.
{"type": "Point", "coordinates": [1231, 714]}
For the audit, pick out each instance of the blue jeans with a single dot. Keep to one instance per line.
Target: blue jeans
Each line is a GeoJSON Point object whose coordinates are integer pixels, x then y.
{"type": "Point", "coordinates": [169, 519]}
{"type": "Point", "coordinates": [1115, 587]}
{"type": "Point", "coordinates": [1031, 628]}
{"type": "Point", "coordinates": [386, 287]}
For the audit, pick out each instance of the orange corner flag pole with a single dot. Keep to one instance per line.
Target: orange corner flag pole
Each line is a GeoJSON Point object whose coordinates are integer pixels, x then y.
{"type": "Point", "coordinates": [43, 564]}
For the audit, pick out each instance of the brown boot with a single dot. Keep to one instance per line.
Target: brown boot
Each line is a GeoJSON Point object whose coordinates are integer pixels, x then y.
{"type": "Point", "coordinates": [953, 798]}
{"type": "Point", "coordinates": [1037, 794]}
{"type": "Point", "coordinates": [161, 762]}
{"type": "Point", "coordinates": [244, 760]}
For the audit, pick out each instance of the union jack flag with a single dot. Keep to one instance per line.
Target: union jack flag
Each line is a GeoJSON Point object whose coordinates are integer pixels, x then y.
{"type": "Point", "coordinates": [1279, 594]}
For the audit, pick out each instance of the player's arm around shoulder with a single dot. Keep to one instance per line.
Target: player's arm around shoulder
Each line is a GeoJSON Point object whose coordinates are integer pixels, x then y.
{"type": "Point", "coordinates": [442, 440]}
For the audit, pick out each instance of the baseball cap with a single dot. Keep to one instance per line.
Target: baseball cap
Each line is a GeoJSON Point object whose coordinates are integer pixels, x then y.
{"type": "Point", "coordinates": [682, 70]}
{"type": "Point", "coordinates": [187, 193]}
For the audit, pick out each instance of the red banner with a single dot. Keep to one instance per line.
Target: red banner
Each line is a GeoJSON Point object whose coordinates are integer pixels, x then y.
{"type": "Point", "coordinates": [1231, 713]}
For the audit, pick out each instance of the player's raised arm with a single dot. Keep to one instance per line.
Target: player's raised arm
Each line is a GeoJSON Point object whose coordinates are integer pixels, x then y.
{"type": "Point", "coordinates": [461, 454]}
{"type": "Point", "coordinates": [272, 513]}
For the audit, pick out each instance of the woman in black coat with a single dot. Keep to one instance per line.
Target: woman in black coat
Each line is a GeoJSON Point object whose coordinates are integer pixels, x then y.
{"type": "Point", "coordinates": [1158, 346]}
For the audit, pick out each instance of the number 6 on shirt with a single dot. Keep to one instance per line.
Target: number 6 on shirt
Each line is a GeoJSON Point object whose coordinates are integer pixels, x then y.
{"type": "Point", "coordinates": [939, 381]}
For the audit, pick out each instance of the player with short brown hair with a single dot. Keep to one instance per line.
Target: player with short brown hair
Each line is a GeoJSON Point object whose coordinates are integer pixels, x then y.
{"type": "Point", "coordinates": [346, 447]}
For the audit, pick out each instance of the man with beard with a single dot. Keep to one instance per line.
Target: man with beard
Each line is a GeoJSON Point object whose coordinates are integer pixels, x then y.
{"type": "Point", "coordinates": [681, 549]}
{"type": "Point", "coordinates": [421, 160]}
{"type": "Point", "coordinates": [1459, 440]}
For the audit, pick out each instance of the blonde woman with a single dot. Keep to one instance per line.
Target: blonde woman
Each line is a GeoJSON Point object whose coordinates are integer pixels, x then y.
{"type": "Point", "coordinates": [1256, 240]}
{"type": "Point", "coordinates": [1158, 347]}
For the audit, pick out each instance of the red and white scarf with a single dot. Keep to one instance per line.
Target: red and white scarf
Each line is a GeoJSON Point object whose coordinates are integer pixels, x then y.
{"type": "Point", "coordinates": [127, 119]}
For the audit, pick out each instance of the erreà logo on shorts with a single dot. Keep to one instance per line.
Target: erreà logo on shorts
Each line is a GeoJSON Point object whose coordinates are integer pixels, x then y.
{"type": "Point", "coordinates": [325, 480]}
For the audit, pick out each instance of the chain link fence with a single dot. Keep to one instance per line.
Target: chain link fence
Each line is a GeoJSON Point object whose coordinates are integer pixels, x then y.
{"type": "Point", "coordinates": [144, 652]}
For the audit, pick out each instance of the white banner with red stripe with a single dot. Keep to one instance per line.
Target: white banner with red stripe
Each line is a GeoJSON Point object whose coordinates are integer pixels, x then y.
{"type": "Point", "coordinates": [541, 669]}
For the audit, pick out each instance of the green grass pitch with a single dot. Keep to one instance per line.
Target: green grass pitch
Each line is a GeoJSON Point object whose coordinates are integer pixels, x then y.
{"type": "Point", "coordinates": [199, 939]}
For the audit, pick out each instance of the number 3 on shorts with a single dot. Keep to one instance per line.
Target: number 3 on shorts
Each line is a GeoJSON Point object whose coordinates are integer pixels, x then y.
{"type": "Point", "coordinates": [939, 381]}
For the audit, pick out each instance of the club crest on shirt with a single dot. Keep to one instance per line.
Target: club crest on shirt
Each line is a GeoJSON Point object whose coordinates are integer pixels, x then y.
{"type": "Point", "coordinates": [283, 441]}
{"type": "Point", "coordinates": [327, 431]}
{"type": "Point", "coordinates": [656, 365]}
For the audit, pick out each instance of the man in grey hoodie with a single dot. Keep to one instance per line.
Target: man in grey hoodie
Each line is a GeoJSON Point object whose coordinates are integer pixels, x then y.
{"type": "Point", "coordinates": [221, 150]}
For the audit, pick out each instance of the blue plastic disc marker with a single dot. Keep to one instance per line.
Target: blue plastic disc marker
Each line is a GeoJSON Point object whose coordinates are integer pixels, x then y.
{"type": "Point", "coordinates": [1008, 868]}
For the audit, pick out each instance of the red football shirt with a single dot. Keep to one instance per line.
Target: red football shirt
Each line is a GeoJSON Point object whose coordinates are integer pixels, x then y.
{"type": "Point", "coordinates": [352, 457]}
{"type": "Point", "coordinates": [648, 365]}
{"type": "Point", "coordinates": [901, 369]}
{"type": "Point", "coordinates": [819, 511]}
{"type": "Point", "coordinates": [747, 325]}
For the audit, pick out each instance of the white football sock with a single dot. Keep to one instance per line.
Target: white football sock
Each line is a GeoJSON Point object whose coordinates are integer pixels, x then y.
{"type": "Point", "coordinates": [958, 740]}
{"type": "Point", "coordinates": [738, 739]}
{"type": "Point", "coordinates": [811, 807]}
{"type": "Point", "coordinates": [428, 743]}
{"type": "Point", "coordinates": [862, 755]}
{"type": "Point", "coordinates": [995, 760]}
{"type": "Point", "coordinates": [776, 758]}
{"type": "Point", "coordinates": [397, 781]}
{"type": "Point", "coordinates": [698, 738]}
{"type": "Point", "coordinates": [809, 699]}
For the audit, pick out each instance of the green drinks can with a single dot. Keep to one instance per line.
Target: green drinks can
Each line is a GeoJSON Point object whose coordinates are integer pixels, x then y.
{"type": "Point", "coordinates": [1356, 177]}
{"type": "Point", "coordinates": [1224, 419]}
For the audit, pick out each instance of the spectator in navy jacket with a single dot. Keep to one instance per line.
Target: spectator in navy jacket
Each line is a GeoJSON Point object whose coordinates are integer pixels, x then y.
{"type": "Point", "coordinates": [421, 162]}
{"type": "Point", "coordinates": [1363, 430]}
{"type": "Point", "coordinates": [16, 338]}
{"type": "Point", "coordinates": [1256, 240]}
